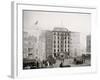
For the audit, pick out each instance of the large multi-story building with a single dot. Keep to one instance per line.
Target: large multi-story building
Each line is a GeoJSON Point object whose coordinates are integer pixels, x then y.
{"type": "Point", "coordinates": [61, 41]}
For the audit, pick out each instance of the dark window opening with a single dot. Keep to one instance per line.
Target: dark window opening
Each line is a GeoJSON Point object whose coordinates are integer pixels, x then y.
{"type": "Point", "coordinates": [58, 37]}
{"type": "Point", "coordinates": [58, 41]}
{"type": "Point", "coordinates": [54, 50]}
{"type": "Point", "coordinates": [30, 54]}
{"type": "Point", "coordinates": [54, 41]}
{"type": "Point", "coordinates": [54, 33]}
{"type": "Point", "coordinates": [30, 49]}
{"type": "Point", "coordinates": [61, 49]}
{"type": "Point", "coordinates": [54, 46]}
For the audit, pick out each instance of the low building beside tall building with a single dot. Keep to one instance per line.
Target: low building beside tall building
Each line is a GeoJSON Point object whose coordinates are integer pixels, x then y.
{"type": "Point", "coordinates": [60, 42]}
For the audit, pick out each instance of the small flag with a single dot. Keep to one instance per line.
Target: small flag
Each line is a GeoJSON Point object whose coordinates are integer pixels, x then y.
{"type": "Point", "coordinates": [36, 23]}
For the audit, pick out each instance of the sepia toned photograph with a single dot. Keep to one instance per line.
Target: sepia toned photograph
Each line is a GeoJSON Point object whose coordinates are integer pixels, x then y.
{"type": "Point", "coordinates": [54, 39]}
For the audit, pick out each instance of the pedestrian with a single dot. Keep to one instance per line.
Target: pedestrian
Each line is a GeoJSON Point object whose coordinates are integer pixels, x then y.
{"type": "Point", "coordinates": [61, 64]}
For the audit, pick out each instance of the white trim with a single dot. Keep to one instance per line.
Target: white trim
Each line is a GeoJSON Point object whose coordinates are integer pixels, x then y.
{"type": "Point", "coordinates": [14, 41]}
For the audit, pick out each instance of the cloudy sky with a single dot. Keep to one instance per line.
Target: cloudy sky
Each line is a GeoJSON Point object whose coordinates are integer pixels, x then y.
{"type": "Point", "coordinates": [48, 20]}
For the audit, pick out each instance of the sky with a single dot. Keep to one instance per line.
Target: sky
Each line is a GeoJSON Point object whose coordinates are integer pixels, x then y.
{"type": "Point", "coordinates": [42, 20]}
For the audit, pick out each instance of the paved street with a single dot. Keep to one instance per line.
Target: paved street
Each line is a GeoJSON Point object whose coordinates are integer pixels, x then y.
{"type": "Point", "coordinates": [71, 63]}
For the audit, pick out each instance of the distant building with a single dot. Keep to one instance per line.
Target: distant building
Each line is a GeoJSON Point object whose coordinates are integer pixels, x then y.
{"type": "Point", "coordinates": [28, 46]}
{"type": "Point", "coordinates": [42, 46]}
{"type": "Point", "coordinates": [74, 44]}
{"type": "Point", "coordinates": [49, 43]}
{"type": "Point", "coordinates": [88, 43]}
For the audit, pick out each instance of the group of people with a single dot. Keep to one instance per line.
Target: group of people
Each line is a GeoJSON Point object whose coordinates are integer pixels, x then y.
{"type": "Point", "coordinates": [37, 63]}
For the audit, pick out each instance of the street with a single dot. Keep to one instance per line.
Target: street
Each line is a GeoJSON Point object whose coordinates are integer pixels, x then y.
{"type": "Point", "coordinates": [71, 63]}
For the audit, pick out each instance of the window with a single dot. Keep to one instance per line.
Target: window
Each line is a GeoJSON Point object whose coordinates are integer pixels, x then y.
{"type": "Point", "coordinates": [68, 34]}
{"type": "Point", "coordinates": [58, 41]}
{"type": "Point", "coordinates": [54, 41]}
{"type": "Point", "coordinates": [61, 49]}
{"type": "Point", "coordinates": [54, 33]}
{"type": "Point", "coordinates": [55, 54]}
{"type": "Point", "coordinates": [30, 54]}
{"type": "Point", "coordinates": [54, 46]}
{"type": "Point", "coordinates": [54, 37]}
{"type": "Point", "coordinates": [58, 37]}
{"type": "Point", "coordinates": [58, 34]}
{"type": "Point", "coordinates": [65, 34]}
{"type": "Point", "coordinates": [30, 49]}
{"type": "Point", "coordinates": [68, 37]}
{"type": "Point", "coordinates": [54, 50]}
